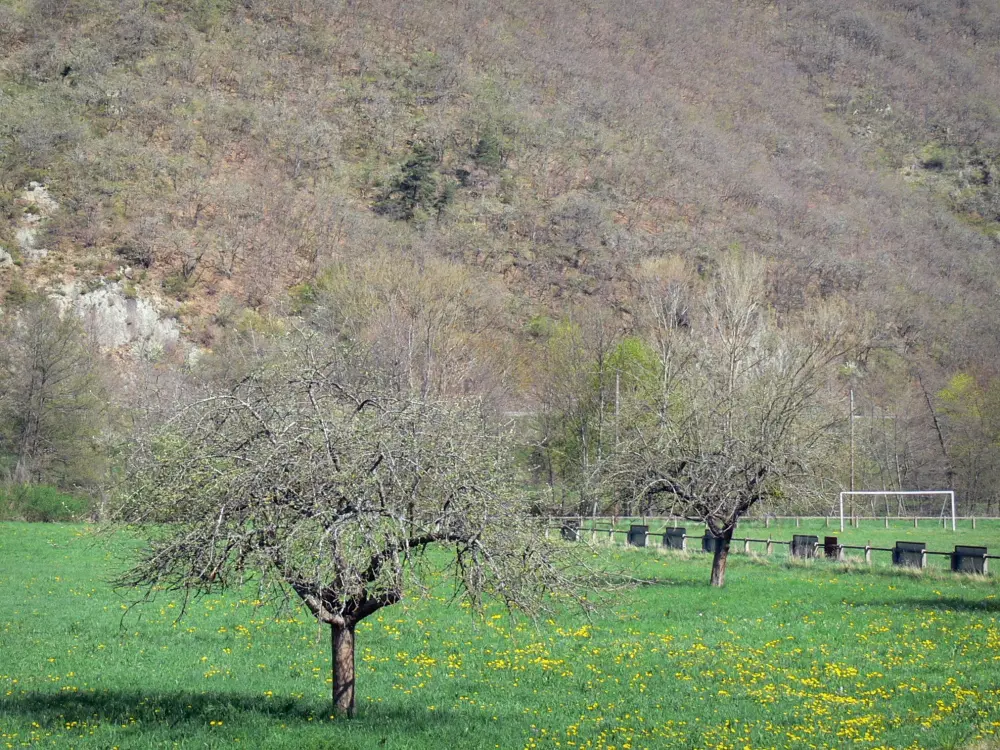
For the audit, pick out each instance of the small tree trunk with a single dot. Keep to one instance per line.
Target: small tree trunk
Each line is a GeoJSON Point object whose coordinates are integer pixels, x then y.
{"type": "Point", "coordinates": [343, 670]}
{"type": "Point", "coordinates": [719, 560]}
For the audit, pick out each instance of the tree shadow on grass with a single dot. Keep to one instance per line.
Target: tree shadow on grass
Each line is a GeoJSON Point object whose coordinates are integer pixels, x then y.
{"type": "Point", "coordinates": [176, 710]}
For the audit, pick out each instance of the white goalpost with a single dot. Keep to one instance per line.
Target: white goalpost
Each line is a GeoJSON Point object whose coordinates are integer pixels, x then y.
{"type": "Point", "coordinates": [949, 493]}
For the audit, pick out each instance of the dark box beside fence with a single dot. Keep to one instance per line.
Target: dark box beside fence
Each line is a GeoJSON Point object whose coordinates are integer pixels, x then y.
{"type": "Point", "coordinates": [710, 542]}
{"type": "Point", "coordinates": [571, 532]}
{"type": "Point", "coordinates": [637, 535]}
{"type": "Point", "coordinates": [830, 547]}
{"type": "Point", "coordinates": [967, 559]}
{"type": "Point", "coordinates": [675, 538]}
{"type": "Point", "coordinates": [804, 545]}
{"type": "Point", "coordinates": [909, 554]}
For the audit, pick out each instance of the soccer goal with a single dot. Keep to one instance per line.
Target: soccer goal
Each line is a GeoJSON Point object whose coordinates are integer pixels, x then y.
{"type": "Point", "coordinates": [948, 498]}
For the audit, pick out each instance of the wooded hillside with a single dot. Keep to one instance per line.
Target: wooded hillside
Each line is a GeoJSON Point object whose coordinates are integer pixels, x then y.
{"type": "Point", "coordinates": [480, 188]}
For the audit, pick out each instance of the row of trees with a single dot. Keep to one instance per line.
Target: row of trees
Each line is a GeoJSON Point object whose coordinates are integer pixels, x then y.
{"type": "Point", "coordinates": [576, 384]}
{"type": "Point", "coordinates": [912, 427]}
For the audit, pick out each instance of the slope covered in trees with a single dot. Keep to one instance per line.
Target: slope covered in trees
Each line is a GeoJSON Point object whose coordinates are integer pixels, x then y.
{"type": "Point", "coordinates": [451, 179]}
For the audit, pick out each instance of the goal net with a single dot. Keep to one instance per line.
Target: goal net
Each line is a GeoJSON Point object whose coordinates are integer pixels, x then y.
{"type": "Point", "coordinates": [920, 504]}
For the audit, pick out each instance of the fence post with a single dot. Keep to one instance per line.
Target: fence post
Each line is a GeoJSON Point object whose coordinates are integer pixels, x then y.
{"type": "Point", "coordinates": [767, 522]}
{"type": "Point", "coordinates": [923, 558]}
{"type": "Point", "coordinates": [796, 522]}
{"type": "Point", "coordinates": [767, 549]}
{"type": "Point", "coordinates": [887, 522]}
{"type": "Point", "coordinates": [868, 553]}
{"type": "Point", "coordinates": [826, 521]}
{"type": "Point", "coordinates": [914, 522]}
{"type": "Point", "coordinates": [546, 530]}
{"type": "Point", "coordinates": [746, 546]}
{"type": "Point", "coordinates": [973, 523]}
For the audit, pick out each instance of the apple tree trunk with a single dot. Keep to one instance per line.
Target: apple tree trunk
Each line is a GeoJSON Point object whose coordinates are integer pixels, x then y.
{"type": "Point", "coordinates": [343, 670]}
{"type": "Point", "coordinates": [720, 557]}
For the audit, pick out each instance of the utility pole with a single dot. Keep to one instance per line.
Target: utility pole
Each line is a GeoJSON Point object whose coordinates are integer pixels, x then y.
{"type": "Point", "coordinates": [852, 440]}
{"type": "Point", "coordinates": [618, 393]}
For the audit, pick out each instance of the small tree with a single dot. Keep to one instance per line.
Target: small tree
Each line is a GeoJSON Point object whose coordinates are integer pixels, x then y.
{"type": "Point", "coordinates": [51, 398]}
{"type": "Point", "coordinates": [304, 477]}
{"type": "Point", "coordinates": [416, 188]}
{"type": "Point", "coordinates": [738, 419]}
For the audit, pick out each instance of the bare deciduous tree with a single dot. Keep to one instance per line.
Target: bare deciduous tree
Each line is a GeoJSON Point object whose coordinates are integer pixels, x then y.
{"type": "Point", "coordinates": [739, 419]}
{"type": "Point", "coordinates": [307, 476]}
{"type": "Point", "coordinates": [51, 398]}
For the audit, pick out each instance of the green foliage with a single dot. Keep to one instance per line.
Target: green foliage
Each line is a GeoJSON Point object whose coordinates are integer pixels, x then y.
{"type": "Point", "coordinates": [18, 293]}
{"type": "Point", "coordinates": [253, 321]}
{"type": "Point", "coordinates": [634, 365]}
{"type": "Point", "coordinates": [971, 416]}
{"type": "Point", "coordinates": [934, 156]}
{"type": "Point", "coordinates": [177, 286]}
{"type": "Point", "coordinates": [961, 394]}
{"type": "Point", "coordinates": [445, 196]}
{"type": "Point", "coordinates": [207, 15]}
{"type": "Point", "coordinates": [39, 502]}
{"type": "Point", "coordinates": [415, 191]}
{"type": "Point", "coordinates": [540, 326]}
{"type": "Point", "coordinates": [302, 296]}
{"type": "Point", "coordinates": [488, 153]}
{"type": "Point", "coordinates": [52, 402]}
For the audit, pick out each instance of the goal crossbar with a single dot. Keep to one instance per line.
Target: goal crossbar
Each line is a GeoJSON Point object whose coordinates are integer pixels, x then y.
{"type": "Point", "coordinates": [949, 493]}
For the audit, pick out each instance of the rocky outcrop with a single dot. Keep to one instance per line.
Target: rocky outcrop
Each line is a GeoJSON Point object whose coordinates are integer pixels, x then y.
{"type": "Point", "coordinates": [38, 207]}
{"type": "Point", "coordinates": [119, 322]}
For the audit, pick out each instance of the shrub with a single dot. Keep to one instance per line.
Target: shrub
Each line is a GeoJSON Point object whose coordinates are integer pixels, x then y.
{"type": "Point", "coordinates": [39, 502]}
{"type": "Point", "coordinates": [176, 285]}
{"type": "Point", "coordinates": [18, 293]}
{"type": "Point", "coordinates": [415, 191]}
{"type": "Point", "coordinates": [488, 152]}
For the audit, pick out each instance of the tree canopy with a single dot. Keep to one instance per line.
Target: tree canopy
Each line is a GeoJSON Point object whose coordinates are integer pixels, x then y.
{"type": "Point", "coordinates": [738, 420]}
{"type": "Point", "coordinates": [306, 474]}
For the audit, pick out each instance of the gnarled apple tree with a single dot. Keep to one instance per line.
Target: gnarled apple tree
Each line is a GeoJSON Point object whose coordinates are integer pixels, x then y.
{"type": "Point", "coordinates": [304, 476]}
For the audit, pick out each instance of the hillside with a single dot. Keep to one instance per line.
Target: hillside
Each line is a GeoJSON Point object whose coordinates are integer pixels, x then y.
{"type": "Point", "coordinates": [220, 160]}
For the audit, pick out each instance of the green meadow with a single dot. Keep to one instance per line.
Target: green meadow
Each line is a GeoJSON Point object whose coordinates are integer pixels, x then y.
{"type": "Point", "coordinates": [788, 655]}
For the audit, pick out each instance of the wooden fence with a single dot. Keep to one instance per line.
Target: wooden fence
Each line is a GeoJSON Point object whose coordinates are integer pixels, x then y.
{"type": "Point", "coordinates": [964, 558]}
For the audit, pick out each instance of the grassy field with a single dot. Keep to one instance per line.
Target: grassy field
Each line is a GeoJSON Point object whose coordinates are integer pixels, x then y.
{"type": "Point", "coordinates": [788, 655]}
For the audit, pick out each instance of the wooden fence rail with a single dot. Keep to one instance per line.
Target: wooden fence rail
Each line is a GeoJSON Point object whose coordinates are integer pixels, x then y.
{"type": "Point", "coordinates": [964, 558]}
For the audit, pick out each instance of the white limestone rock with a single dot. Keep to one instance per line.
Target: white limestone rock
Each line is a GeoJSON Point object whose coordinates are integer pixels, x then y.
{"type": "Point", "coordinates": [39, 207]}
{"type": "Point", "coordinates": [117, 322]}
